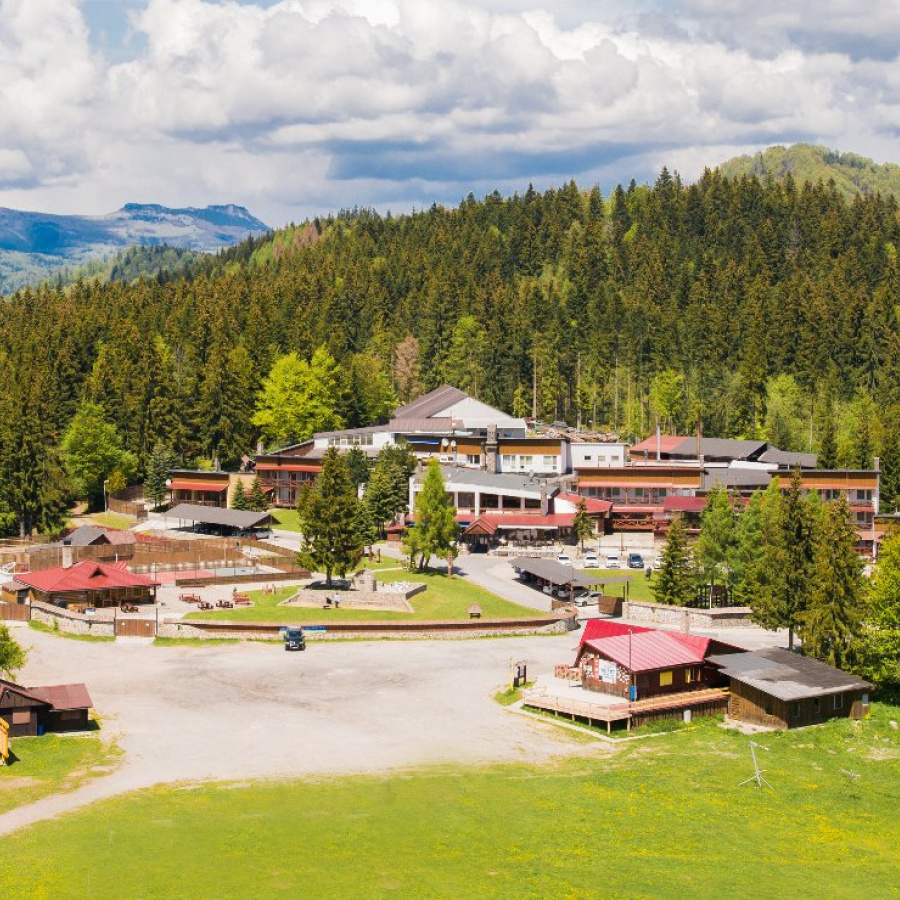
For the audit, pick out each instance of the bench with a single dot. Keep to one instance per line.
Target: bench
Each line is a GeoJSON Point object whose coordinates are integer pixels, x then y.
{"type": "Point", "coordinates": [474, 611]}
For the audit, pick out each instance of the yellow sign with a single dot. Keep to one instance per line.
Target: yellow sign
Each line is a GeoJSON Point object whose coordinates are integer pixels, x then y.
{"type": "Point", "coordinates": [4, 739]}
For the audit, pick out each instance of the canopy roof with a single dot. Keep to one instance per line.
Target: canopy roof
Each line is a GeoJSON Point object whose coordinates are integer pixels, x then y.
{"type": "Point", "coordinates": [213, 515]}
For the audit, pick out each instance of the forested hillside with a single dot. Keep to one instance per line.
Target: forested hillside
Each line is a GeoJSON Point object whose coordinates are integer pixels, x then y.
{"type": "Point", "coordinates": [758, 308]}
{"type": "Point", "coordinates": [852, 174]}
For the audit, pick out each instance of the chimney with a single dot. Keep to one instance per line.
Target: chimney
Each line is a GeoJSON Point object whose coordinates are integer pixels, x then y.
{"type": "Point", "coordinates": [876, 463]}
{"type": "Point", "coordinates": [491, 451]}
{"type": "Point", "coordinates": [658, 442]}
{"type": "Point", "coordinates": [67, 558]}
{"type": "Point", "coordinates": [545, 502]}
{"type": "Point", "coordinates": [216, 466]}
{"type": "Point", "coordinates": [260, 448]}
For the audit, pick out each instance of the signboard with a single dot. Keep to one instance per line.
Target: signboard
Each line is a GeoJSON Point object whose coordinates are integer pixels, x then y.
{"type": "Point", "coordinates": [607, 672]}
{"type": "Point", "coordinates": [4, 740]}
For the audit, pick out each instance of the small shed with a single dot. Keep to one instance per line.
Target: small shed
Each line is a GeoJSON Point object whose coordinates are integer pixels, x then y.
{"type": "Point", "coordinates": [779, 689]}
{"type": "Point", "coordinates": [32, 711]}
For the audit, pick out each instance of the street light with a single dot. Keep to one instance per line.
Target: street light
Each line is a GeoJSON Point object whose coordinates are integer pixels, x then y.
{"type": "Point", "coordinates": [105, 496]}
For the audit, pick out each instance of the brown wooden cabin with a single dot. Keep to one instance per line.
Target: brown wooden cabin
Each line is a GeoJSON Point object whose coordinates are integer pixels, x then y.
{"type": "Point", "coordinates": [32, 711]}
{"type": "Point", "coordinates": [779, 689]}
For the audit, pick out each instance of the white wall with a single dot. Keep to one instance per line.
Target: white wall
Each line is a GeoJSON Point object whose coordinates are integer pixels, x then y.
{"type": "Point", "coordinates": [598, 455]}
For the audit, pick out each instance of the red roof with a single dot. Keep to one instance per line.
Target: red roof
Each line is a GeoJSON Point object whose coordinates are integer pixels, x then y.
{"type": "Point", "coordinates": [667, 443]}
{"type": "Point", "coordinates": [84, 576]}
{"type": "Point", "coordinates": [684, 504]}
{"type": "Point", "coordinates": [600, 628]}
{"type": "Point", "coordinates": [522, 520]}
{"type": "Point", "coordinates": [63, 696]}
{"type": "Point", "coordinates": [592, 504]}
{"type": "Point", "coordinates": [179, 485]}
{"type": "Point", "coordinates": [646, 649]}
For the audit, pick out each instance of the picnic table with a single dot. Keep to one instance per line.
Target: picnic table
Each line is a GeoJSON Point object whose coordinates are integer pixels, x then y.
{"type": "Point", "coordinates": [240, 598]}
{"type": "Point", "coordinates": [189, 598]}
{"type": "Point", "coordinates": [129, 608]}
{"type": "Point", "coordinates": [225, 604]}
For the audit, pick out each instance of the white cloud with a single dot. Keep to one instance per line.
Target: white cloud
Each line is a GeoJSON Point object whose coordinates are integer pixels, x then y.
{"type": "Point", "coordinates": [298, 106]}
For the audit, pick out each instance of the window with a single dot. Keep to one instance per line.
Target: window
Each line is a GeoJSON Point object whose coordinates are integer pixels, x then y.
{"type": "Point", "coordinates": [473, 459]}
{"type": "Point", "coordinates": [587, 457]}
{"type": "Point", "coordinates": [689, 676]}
{"type": "Point", "coordinates": [795, 710]}
{"type": "Point", "coordinates": [838, 701]}
{"type": "Point", "coordinates": [865, 699]}
{"type": "Point", "coordinates": [665, 679]}
{"type": "Point", "coordinates": [550, 462]}
{"type": "Point", "coordinates": [507, 461]}
{"type": "Point", "coordinates": [817, 705]}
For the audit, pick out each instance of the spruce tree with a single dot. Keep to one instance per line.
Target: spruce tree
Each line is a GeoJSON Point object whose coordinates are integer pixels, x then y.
{"type": "Point", "coordinates": [828, 450]}
{"type": "Point", "coordinates": [717, 540]}
{"type": "Point", "coordinates": [831, 623]}
{"type": "Point", "coordinates": [256, 498]}
{"type": "Point", "coordinates": [160, 463]}
{"type": "Point", "coordinates": [239, 496]}
{"type": "Point", "coordinates": [583, 526]}
{"type": "Point", "coordinates": [746, 563]}
{"type": "Point", "coordinates": [676, 582]}
{"type": "Point", "coordinates": [358, 465]}
{"type": "Point", "coordinates": [330, 520]}
{"type": "Point", "coordinates": [435, 530]}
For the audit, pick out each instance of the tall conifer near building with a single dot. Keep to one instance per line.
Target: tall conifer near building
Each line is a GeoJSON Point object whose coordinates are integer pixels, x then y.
{"type": "Point", "coordinates": [676, 583]}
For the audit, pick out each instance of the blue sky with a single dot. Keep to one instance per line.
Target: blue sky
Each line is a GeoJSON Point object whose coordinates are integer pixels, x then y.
{"type": "Point", "coordinates": [299, 107]}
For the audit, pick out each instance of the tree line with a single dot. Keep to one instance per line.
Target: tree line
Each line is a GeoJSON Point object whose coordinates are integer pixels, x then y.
{"type": "Point", "coordinates": [751, 308]}
{"type": "Point", "coordinates": [791, 559]}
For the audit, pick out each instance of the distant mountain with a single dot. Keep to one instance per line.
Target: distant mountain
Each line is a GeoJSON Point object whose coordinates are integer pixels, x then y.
{"type": "Point", "coordinates": [35, 246]}
{"type": "Point", "coordinates": [852, 174]}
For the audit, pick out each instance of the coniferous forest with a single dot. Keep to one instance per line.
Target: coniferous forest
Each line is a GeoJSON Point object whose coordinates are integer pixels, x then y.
{"type": "Point", "coordinates": [753, 308]}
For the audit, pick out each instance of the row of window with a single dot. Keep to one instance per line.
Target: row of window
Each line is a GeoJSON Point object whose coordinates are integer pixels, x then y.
{"type": "Point", "coordinates": [512, 462]}
{"type": "Point", "coordinates": [351, 440]}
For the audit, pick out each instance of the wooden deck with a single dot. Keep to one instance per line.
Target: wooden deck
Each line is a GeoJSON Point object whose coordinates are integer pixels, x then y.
{"type": "Point", "coordinates": [624, 711]}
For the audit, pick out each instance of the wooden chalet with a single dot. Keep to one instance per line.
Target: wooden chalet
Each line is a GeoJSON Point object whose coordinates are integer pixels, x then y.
{"type": "Point", "coordinates": [779, 689]}
{"type": "Point", "coordinates": [87, 583]}
{"type": "Point", "coordinates": [199, 487]}
{"type": "Point", "coordinates": [32, 711]}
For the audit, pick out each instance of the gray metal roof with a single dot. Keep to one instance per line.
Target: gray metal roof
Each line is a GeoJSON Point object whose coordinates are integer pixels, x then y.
{"type": "Point", "coordinates": [787, 459]}
{"type": "Point", "coordinates": [786, 675]}
{"type": "Point", "coordinates": [213, 515]}
{"type": "Point", "coordinates": [736, 478]}
{"type": "Point", "coordinates": [431, 403]}
{"type": "Point", "coordinates": [719, 448]}
{"type": "Point", "coordinates": [456, 475]}
{"type": "Point", "coordinates": [556, 573]}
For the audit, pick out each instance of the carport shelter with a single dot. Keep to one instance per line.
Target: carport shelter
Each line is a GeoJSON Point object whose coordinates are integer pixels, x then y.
{"type": "Point", "coordinates": [780, 689]}
{"type": "Point", "coordinates": [87, 583]}
{"type": "Point", "coordinates": [32, 711]}
{"type": "Point", "coordinates": [559, 577]}
{"type": "Point", "coordinates": [226, 521]}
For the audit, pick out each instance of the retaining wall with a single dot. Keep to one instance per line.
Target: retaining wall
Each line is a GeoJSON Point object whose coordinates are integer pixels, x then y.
{"type": "Point", "coordinates": [686, 618]}
{"type": "Point", "coordinates": [394, 601]}
{"type": "Point", "coordinates": [71, 622]}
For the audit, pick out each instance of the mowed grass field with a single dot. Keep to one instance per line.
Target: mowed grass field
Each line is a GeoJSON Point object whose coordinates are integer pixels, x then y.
{"type": "Point", "coordinates": [445, 598]}
{"type": "Point", "coordinates": [662, 817]}
{"type": "Point", "coordinates": [638, 584]}
{"type": "Point", "coordinates": [51, 764]}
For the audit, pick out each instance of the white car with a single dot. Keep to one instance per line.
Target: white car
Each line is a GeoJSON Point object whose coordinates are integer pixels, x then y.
{"type": "Point", "coordinates": [564, 559]}
{"type": "Point", "coordinates": [613, 561]}
{"type": "Point", "coordinates": [591, 560]}
{"type": "Point", "coordinates": [588, 598]}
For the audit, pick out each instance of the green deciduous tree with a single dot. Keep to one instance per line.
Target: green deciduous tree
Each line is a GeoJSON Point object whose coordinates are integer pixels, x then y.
{"type": "Point", "coordinates": [298, 398]}
{"type": "Point", "coordinates": [831, 623]}
{"type": "Point", "coordinates": [879, 658]}
{"type": "Point", "coordinates": [676, 582]}
{"type": "Point", "coordinates": [435, 530]}
{"type": "Point", "coordinates": [12, 656]}
{"type": "Point", "coordinates": [93, 451]}
{"type": "Point", "coordinates": [330, 520]}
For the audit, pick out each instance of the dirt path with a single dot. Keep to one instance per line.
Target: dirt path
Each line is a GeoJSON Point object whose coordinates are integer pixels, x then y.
{"type": "Point", "coordinates": [253, 711]}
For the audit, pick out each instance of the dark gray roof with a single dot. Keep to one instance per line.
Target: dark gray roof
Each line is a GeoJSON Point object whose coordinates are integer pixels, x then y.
{"type": "Point", "coordinates": [787, 459]}
{"type": "Point", "coordinates": [84, 536]}
{"type": "Point", "coordinates": [347, 432]}
{"type": "Point", "coordinates": [431, 403]}
{"type": "Point", "coordinates": [719, 448]}
{"type": "Point", "coordinates": [556, 573]}
{"type": "Point", "coordinates": [213, 515]}
{"type": "Point", "coordinates": [425, 425]}
{"type": "Point", "coordinates": [786, 675]}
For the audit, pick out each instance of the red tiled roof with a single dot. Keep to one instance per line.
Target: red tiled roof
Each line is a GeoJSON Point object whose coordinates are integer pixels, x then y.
{"type": "Point", "coordinates": [63, 696]}
{"type": "Point", "coordinates": [592, 504]}
{"type": "Point", "coordinates": [179, 484]}
{"type": "Point", "coordinates": [84, 576]}
{"type": "Point", "coordinates": [667, 443]}
{"type": "Point", "coordinates": [684, 504]}
{"type": "Point", "coordinates": [521, 520]}
{"type": "Point", "coordinates": [601, 628]}
{"type": "Point", "coordinates": [291, 467]}
{"type": "Point", "coordinates": [648, 650]}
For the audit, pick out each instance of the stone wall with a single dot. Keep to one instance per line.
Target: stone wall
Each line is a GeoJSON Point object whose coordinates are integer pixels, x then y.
{"type": "Point", "coordinates": [685, 618]}
{"type": "Point", "coordinates": [72, 622]}
{"type": "Point", "coordinates": [380, 599]}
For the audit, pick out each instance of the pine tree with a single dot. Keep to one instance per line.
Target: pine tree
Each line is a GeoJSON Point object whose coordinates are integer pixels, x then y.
{"type": "Point", "coordinates": [161, 462]}
{"type": "Point", "coordinates": [358, 465]}
{"type": "Point", "coordinates": [676, 583]}
{"type": "Point", "coordinates": [387, 490]}
{"type": "Point", "coordinates": [435, 530]}
{"type": "Point", "coordinates": [582, 524]}
{"type": "Point", "coordinates": [767, 575]}
{"type": "Point", "coordinates": [330, 519]}
{"type": "Point", "coordinates": [828, 450]}
{"type": "Point", "coordinates": [239, 496]}
{"type": "Point", "coordinates": [831, 623]}
{"type": "Point", "coordinates": [256, 498]}
{"type": "Point", "coordinates": [717, 540]}
{"type": "Point", "coordinates": [748, 571]}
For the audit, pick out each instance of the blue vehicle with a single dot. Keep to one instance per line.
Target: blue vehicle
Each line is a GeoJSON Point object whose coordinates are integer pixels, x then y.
{"type": "Point", "coordinates": [635, 561]}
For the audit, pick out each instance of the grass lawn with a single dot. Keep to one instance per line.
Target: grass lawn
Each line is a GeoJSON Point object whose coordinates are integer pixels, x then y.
{"type": "Point", "coordinates": [286, 519]}
{"type": "Point", "coordinates": [638, 586]}
{"type": "Point", "coordinates": [113, 520]}
{"type": "Point", "coordinates": [666, 818]}
{"type": "Point", "coordinates": [52, 764]}
{"type": "Point", "coordinates": [444, 599]}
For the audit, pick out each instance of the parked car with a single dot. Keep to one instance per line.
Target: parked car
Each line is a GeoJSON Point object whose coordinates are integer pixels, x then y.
{"type": "Point", "coordinates": [588, 598]}
{"type": "Point", "coordinates": [564, 559]}
{"type": "Point", "coordinates": [635, 561]}
{"type": "Point", "coordinates": [294, 639]}
{"type": "Point", "coordinates": [613, 562]}
{"type": "Point", "coordinates": [591, 560]}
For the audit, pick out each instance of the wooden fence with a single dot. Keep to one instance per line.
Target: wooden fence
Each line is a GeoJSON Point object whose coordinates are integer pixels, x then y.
{"type": "Point", "coordinates": [15, 612]}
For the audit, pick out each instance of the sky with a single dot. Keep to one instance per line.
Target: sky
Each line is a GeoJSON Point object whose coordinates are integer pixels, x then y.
{"type": "Point", "coordinates": [295, 108]}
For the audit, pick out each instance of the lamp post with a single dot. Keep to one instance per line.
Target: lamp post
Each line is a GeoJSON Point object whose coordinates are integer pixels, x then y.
{"type": "Point", "coordinates": [105, 496]}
